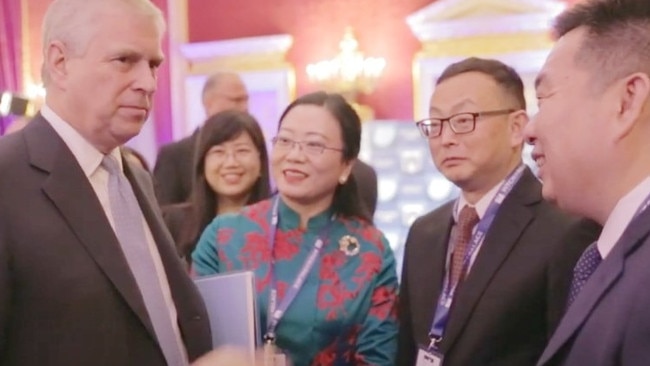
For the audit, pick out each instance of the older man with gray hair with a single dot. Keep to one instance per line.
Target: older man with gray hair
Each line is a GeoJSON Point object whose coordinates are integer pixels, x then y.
{"type": "Point", "coordinates": [88, 272]}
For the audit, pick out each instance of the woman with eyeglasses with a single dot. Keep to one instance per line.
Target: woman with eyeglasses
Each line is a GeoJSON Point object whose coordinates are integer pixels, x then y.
{"type": "Point", "coordinates": [326, 277]}
{"type": "Point", "coordinates": [230, 171]}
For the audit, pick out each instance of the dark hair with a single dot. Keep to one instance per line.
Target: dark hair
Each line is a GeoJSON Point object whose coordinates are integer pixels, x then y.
{"type": "Point", "coordinates": [505, 76]}
{"type": "Point", "coordinates": [617, 41]}
{"type": "Point", "coordinates": [347, 201]}
{"type": "Point", "coordinates": [222, 127]}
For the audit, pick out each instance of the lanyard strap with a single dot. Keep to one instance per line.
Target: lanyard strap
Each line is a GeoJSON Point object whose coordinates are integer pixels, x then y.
{"type": "Point", "coordinates": [446, 298]}
{"type": "Point", "coordinates": [275, 314]}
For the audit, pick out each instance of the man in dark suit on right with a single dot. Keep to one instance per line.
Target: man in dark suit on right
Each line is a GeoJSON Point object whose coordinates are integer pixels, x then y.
{"type": "Point", "coordinates": [485, 276]}
{"type": "Point", "coordinates": [592, 144]}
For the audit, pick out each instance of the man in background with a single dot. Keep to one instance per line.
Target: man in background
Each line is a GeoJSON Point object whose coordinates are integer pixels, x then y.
{"type": "Point", "coordinates": [485, 276]}
{"type": "Point", "coordinates": [591, 141]}
{"type": "Point", "coordinates": [173, 172]}
{"type": "Point", "coordinates": [88, 272]}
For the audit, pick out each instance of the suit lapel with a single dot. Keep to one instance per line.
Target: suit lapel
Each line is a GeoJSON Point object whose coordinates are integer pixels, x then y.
{"type": "Point", "coordinates": [71, 193]}
{"type": "Point", "coordinates": [605, 276]}
{"type": "Point", "coordinates": [511, 220]}
{"type": "Point", "coordinates": [431, 267]}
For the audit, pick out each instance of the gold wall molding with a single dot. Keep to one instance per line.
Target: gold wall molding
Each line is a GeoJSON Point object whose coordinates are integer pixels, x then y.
{"type": "Point", "coordinates": [260, 61]}
{"type": "Point", "coordinates": [239, 63]}
{"type": "Point", "coordinates": [26, 62]}
{"type": "Point", "coordinates": [492, 44]}
{"type": "Point", "coordinates": [177, 23]}
{"type": "Point", "coordinates": [515, 32]}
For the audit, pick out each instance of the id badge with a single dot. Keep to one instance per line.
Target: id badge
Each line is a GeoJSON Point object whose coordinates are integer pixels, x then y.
{"type": "Point", "coordinates": [428, 358]}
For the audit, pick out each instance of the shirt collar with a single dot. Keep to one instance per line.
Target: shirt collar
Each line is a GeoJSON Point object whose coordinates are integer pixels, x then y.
{"type": "Point", "coordinates": [88, 157]}
{"type": "Point", "coordinates": [482, 205]}
{"type": "Point", "coordinates": [621, 217]}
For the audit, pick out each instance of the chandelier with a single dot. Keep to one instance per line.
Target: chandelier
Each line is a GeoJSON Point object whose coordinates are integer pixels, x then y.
{"type": "Point", "coordinates": [349, 72]}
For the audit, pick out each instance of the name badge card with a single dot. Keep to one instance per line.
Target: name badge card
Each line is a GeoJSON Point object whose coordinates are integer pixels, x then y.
{"type": "Point", "coordinates": [428, 358]}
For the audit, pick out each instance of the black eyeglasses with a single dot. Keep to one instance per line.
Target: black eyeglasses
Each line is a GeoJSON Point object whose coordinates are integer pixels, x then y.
{"type": "Point", "coordinates": [309, 147]}
{"type": "Point", "coordinates": [460, 123]}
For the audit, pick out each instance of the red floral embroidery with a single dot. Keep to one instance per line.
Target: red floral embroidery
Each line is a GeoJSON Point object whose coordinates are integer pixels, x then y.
{"type": "Point", "coordinates": [367, 233]}
{"type": "Point", "coordinates": [224, 260]}
{"type": "Point", "coordinates": [223, 238]}
{"type": "Point", "coordinates": [325, 357]}
{"type": "Point", "coordinates": [282, 289]}
{"type": "Point", "coordinates": [332, 295]}
{"type": "Point", "coordinates": [262, 283]}
{"type": "Point", "coordinates": [331, 264]}
{"type": "Point", "coordinates": [353, 336]}
{"type": "Point", "coordinates": [369, 266]}
{"type": "Point", "coordinates": [224, 235]}
{"type": "Point", "coordinates": [348, 343]}
{"type": "Point", "coordinates": [255, 251]}
{"type": "Point", "coordinates": [287, 244]}
{"type": "Point", "coordinates": [383, 302]}
{"type": "Point", "coordinates": [258, 213]}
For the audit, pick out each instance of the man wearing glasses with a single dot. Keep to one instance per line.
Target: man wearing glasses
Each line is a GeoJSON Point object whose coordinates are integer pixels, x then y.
{"type": "Point", "coordinates": [485, 276]}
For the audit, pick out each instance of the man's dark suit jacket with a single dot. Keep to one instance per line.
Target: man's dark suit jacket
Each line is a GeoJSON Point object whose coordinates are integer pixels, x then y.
{"type": "Point", "coordinates": [515, 292]}
{"type": "Point", "coordinates": [174, 170]}
{"type": "Point", "coordinates": [67, 296]}
{"type": "Point", "coordinates": [608, 324]}
{"type": "Point", "coordinates": [173, 174]}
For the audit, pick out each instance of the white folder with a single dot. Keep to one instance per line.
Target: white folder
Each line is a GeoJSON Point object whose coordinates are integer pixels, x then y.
{"type": "Point", "coordinates": [232, 307]}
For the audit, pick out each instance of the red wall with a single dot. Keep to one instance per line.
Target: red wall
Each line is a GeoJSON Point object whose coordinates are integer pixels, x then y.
{"type": "Point", "coordinates": [163, 97]}
{"type": "Point", "coordinates": [34, 16]}
{"type": "Point", "coordinates": [317, 27]}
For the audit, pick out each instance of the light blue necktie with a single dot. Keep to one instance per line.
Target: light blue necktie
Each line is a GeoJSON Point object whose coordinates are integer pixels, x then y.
{"type": "Point", "coordinates": [587, 264]}
{"type": "Point", "coordinates": [127, 219]}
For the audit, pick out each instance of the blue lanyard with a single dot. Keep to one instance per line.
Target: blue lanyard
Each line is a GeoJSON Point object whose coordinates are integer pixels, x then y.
{"type": "Point", "coordinates": [447, 295]}
{"type": "Point", "coordinates": [276, 314]}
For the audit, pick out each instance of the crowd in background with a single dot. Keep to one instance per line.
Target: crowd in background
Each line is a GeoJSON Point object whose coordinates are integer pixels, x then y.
{"type": "Point", "coordinates": [98, 253]}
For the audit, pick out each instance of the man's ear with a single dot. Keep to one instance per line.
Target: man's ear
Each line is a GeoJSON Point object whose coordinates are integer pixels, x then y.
{"type": "Point", "coordinates": [517, 122]}
{"type": "Point", "coordinates": [55, 65]}
{"type": "Point", "coordinates": [631, 95]}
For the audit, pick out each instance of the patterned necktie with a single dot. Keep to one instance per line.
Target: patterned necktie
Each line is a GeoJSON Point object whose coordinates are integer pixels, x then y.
{"type": "Point", "coordinates": [467, 219]}
{"type": "Point", "coordinates": [129, 230]}
{"type": "Point", "coordinates": [585, 267]}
